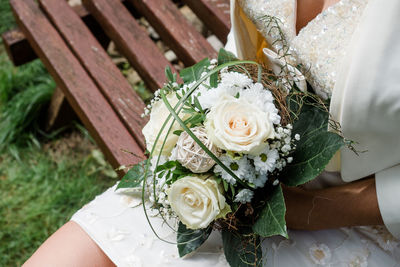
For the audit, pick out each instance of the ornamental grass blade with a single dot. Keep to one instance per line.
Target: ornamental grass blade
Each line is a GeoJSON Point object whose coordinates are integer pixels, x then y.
{"type": "Point", "coordinates": [134, 177]}
{"type": "Point", "coordinates": [189, 240]}
{"type": "Point", "coordinates": [271, 221]}
{"type": "Point", "coordinates": [242, 249]}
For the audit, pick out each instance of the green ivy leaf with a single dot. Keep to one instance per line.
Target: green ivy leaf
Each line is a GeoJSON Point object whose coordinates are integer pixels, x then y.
{"type": "Point", "coordinates": [314, 150]}
{"type": "Point", "coordinates": [272, 217]}
{"type": "Point", "coordinates": [242, 249]}
{"type": "Point", "coordinates": [194, 72]}
{"type": "Point", "coordinates": [134, 176]}
{"type": "Point", "coordinates": [214, 80]}
{"type": "Point", "coordinates": [167, 165]}
{"type": "Point", "coordinates": [178, 132]}
{"type": "Point", "coordinates": [225, 56]}
{"type": "Point", "coordinates": [174, 171]}
{"type": "Point", "coordinates": [189, 240]}
{"type": "Point", "coordinates": [310, 119]}
{"type": "Point", "coordinates": [311, 157]}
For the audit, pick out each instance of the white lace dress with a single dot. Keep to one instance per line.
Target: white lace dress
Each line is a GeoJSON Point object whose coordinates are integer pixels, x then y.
{"type": "Point", "coordinates": [116, 221]}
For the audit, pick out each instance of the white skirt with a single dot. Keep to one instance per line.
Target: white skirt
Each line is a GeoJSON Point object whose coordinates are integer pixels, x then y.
{"type": "Point", "coordinates": [115, 220]}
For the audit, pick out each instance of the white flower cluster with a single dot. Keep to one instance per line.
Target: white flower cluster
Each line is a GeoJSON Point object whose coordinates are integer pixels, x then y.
{"type": "Point", "coordinates": [238, 85]}
{"type": "Point", "coordinates": [274, 156]}
{"type": "Point", "coordinates": [157, 97]}
{"type": "Point", "coordinates": [213, 64]}
{"type": "Point", "coordinates": [244, 196]}
{"type": "Point", "coordinates": [156, 186]}
{"type": "Point", "coordinates": [241, 126]}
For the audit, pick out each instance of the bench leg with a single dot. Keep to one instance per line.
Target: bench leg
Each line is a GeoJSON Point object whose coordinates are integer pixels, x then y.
{"type": "Point", "coordinates": [59, 113]}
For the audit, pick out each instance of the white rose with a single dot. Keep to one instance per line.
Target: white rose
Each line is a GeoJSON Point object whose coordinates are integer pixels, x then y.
{"type": "Point", "coordinates": [234, 124]}
{"type": "Point", "coordinates": [159, 113]}
{"type": "Point", "coordinates": [197, 202]}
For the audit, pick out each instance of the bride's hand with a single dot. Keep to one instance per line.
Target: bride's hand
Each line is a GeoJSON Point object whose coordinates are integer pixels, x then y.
{"type": "Point", "coordinates": [352, 204]}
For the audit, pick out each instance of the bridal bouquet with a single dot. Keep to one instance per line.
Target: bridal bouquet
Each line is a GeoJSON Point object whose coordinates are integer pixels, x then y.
{"type": "Point", "coordinates": [220, 145]}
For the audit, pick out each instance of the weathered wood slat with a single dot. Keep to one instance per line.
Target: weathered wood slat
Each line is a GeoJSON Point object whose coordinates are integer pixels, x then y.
{"type": "Point", "coordinates": [131, 40]}
{"type": "Point", "coordinates": [20, 51]}
{"type": "Point", "coordinates": [81, 92]}
{"type": "Point", "coordinates": [214, 14]}
{"type": "Point", "coordinates": [116, 89]}
{"type": "Point", "coordinates": [187, 43]}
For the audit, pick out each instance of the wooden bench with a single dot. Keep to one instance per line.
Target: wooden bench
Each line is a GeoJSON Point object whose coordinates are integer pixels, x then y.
{"type": "Point", "coordinates": [71, 43]}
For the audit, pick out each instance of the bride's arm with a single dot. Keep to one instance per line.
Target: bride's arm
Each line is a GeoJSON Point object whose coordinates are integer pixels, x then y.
{"type": "Point", "coordinates": [352, 204]}
{"type": "Point", "coordinates": [69, 246]}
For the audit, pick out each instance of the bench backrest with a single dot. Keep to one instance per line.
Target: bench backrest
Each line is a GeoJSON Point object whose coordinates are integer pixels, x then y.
{"type": "Point", "coordinates": [93, 85]}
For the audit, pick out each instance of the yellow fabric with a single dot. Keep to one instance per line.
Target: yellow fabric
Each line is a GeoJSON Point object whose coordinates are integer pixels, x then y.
{"type": "Point", "coordinates": [250, 43]}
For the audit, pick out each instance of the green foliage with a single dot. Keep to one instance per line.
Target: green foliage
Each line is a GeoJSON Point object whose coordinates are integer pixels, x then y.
{"type": "Point", "coordinates": [194, 72]}
{"type": "Point", "coordinates": [271, 220]}
{"type": "Point", "coordinates": [173, 171]}
{"type": "Point", "coordinates": [192, 106]}
{"type": "Point", "coordinates": [41, 190]}
{"type": "Point", "coordinates": [315, 148]}
{"type": "Point", "coordinates": [143, 92]}
{"type": "Point", "coordinates": [6, 17]}
{"type": "Point", "coordinates": [189, 240]}
{"type": "Point", "coordinates": [171, 77]}
{"type": "Point", "coordinates": [242, 249]}
{"type": "Point", "coordinates": [22, 112]}
{"type": "Point", "coordinates": [24, 93]}
{"type": "Point", "coordinates": [15, 79]}
{"type": "Point", "coordinates": [225, 56]}
{"type": "Point", "coordinates": [134, 177]}
{"type": "Point", "coordinates": [195, 118]}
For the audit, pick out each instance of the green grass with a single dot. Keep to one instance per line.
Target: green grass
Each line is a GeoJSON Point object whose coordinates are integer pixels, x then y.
{"type": "Point", "coordinates": [24, 92]}
{"type": "Point", "coordinates": [6, 18]}
{"type": "Point", "coordinates": [24, 95]}
{"type": "Point", "coordinates": [40, 191]}
{"type": "Point", "coordinates": [43, 180]}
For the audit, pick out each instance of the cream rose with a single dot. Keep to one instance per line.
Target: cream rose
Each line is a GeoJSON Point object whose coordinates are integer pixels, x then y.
{"type": "Point", "coordinates": [197, 201]}
{"type": "Point", "coordinates": [158, 115]}
{"type": "Point", "coordinates": [234, 124]}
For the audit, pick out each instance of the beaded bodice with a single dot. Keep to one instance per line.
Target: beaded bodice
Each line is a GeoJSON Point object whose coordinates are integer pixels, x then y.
{"type": "Point", "coordinates": [319, 47]}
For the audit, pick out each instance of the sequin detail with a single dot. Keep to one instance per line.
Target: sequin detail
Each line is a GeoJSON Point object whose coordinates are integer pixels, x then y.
{"type": "Point", "coordinates": [319, 47]}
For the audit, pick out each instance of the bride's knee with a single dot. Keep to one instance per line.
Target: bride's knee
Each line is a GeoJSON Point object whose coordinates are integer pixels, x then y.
{"type": "Point", "coordinates": [69, 246]}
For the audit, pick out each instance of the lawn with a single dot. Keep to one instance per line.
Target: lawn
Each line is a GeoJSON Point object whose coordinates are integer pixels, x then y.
{"type": "Point", "coordinates": [43, 188]}
{"type": "Point", "coordinates": [44, 177]}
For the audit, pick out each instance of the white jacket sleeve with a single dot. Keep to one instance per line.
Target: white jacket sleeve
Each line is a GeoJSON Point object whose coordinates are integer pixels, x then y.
{"type": "Point", "coordinates": [388, 191]}
{"type": "Point", "coordinates": [366, 101]}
